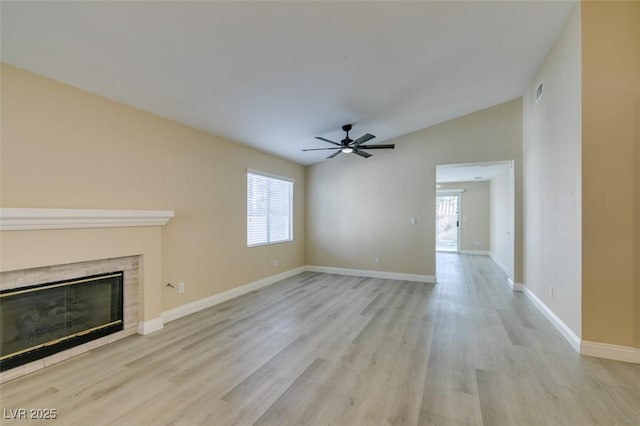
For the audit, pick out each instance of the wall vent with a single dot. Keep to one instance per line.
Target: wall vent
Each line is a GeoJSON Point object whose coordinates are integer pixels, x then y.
{"type": "Point", "coordinates": [539, 91]}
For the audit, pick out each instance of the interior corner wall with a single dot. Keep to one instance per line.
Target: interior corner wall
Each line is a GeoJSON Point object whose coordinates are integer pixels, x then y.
{"type": "Point", "coordinates": [65, 148]}
{"type": "Point", "coordinates": [501, 193]}
{"type": "Point", "coordinates": [360, 209]}
{"type": "Point", "coordinates": [552, 178]}
{"type": "Point", "coordinates": [474, 214]}
{"type": "Point", "coordinates": [610, 138]}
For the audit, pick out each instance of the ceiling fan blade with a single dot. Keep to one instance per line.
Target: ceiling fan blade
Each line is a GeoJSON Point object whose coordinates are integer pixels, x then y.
{"type": "Point", "coordinates": [362, 139]}
{"type": "Point", "coordinates": [381, 146]}
{"type": "Point", "coordinates": [318, 149]}
{"type": "Point", "coordinates": [327, 140]}
{"type": "Point", "coordinates": [361, 153]}
{"type": "Point", "coordinates": [335, 154]}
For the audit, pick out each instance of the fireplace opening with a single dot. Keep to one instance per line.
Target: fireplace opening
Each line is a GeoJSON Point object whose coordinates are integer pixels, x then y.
{"type": "Point", "coordinates": [40, 320]}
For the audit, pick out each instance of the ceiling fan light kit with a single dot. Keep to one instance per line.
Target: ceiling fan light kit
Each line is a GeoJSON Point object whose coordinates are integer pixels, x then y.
{"type": "Point", "coordinates": [350, 146]}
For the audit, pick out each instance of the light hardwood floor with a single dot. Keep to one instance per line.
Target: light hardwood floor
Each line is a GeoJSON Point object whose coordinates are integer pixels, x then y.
{"type": "Point", "coordinates": [337, 350]}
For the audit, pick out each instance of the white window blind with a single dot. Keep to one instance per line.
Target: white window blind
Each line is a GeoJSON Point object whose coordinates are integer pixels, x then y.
{"type": "Point", "coordinates": [269, 209]}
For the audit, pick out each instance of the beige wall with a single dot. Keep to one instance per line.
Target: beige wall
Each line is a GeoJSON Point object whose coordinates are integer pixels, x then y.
{"type": "Point", "coordinates": [359, 209]}
{"type": "Point", "coordinates": [32, 249]}
{"type": "Point", "coordinates": [610, 213]}
{"type": "Point", "coordinates": [474, 214]}
{"type": "Point", "coordinates": [552, 185]}
{"type": "Point", "coordinates": [502, 216]}
{"type": "Point", "coordinates": [582, 185]}
{"type": "Point", "coordinates": [65, 148]}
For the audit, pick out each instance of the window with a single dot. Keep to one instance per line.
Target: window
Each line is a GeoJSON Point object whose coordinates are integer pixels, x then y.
{"type": "Point", "coordinates": [269, 209]}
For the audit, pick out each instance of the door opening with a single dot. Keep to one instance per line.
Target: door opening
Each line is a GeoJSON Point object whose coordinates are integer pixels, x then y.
{"type": "Point", "coordinates": [448, 222]}
{"type": "Point", "coordinates": [477, 234]}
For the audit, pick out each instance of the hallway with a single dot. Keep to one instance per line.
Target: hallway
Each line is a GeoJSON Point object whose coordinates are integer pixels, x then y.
{"type": "Point", "coordinates": [493, 343]}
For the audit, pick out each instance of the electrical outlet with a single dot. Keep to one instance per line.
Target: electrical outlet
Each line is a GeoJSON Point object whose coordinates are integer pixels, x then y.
{"type": "Point", "coordinates": [476, 243]}
{"type": "Point", "coordinates": [376, 259]}
{"type": "Point", "coordinates": [275, 262]}
{"type": "Point", "coordinates": [180, 287]}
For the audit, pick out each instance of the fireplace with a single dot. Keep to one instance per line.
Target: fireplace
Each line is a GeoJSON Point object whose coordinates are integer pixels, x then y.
{"type": "Point", "coordinates": [45, 245]}
{"type": "Point", "coordinates": [39, 320]}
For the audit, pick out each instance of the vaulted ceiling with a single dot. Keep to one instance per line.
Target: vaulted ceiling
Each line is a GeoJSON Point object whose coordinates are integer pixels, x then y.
{"type": "Point", "coordinates": [273, 75]}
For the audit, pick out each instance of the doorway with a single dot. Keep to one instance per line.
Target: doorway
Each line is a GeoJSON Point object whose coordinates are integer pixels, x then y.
{"type": "Point", "coordinates": [475, 213]}
{"type": "Point", "coordinates": [448, 222]}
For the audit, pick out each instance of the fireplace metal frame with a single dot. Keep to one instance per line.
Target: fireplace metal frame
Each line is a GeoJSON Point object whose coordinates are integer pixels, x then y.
{"type": "Point", "coordinates": [46, 349]}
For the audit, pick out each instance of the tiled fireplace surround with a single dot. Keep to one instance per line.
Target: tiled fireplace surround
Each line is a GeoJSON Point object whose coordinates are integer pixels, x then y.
{"type": "Point", "coordinates": [45, 245]}
{"type": "Point", "coordinates": [26, 277]}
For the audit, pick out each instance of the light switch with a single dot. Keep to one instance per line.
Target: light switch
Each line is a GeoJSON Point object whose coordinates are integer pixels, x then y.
{"type": "Point", "coordinates": [414, 220]}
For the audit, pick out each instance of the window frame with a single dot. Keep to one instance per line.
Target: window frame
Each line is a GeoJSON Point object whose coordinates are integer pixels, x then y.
{"type": "Point", "coordinates": [272, 177]}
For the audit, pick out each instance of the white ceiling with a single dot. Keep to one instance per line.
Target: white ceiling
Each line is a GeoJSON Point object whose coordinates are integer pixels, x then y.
{"type": "Point", "coordinates": [469, 173]}
{"type": "Point", "coordinates": [275, 74]}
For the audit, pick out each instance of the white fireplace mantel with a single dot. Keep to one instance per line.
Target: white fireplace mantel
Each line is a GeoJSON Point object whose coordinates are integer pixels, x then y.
{"type": "Point", "coordinates": [15, 219]}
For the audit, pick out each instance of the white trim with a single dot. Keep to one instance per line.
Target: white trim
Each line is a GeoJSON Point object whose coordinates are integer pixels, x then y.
{"type": "Point", "coordinates": [207, 302]}
{"type": "Point", "coordinates": [477, 163]}
{"type": "Point", "coordinates": [512, 284]}
{"type": "Point", "coordinates": [475, 252]}
{"type": "Point", "coordinates": [563, 328]}
{"type": "Point", "coordinates": [602, 350]}
{"type": "Point", "coordinates": [615, 352]}
{"type": "Point", "coordinates": [268, 197]}
{"type": "Point", "coordinates": [499, 264]}
{"type": "Point", "coordinates": [372, 274]}
{"type": "Point", "coordinates": [449, 192]}
{"type": "Point", "coordinates": [14, 219]}
{"type": "Point", "coordinates": [148, 327]}
{"type": "Point", "coordinates": [270, 175]}
{"type": "Point", "coordinates": [515, 286]}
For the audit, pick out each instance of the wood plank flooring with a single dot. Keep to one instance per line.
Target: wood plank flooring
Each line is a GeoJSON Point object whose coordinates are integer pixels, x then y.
{"type": "Point", "coordinates": [338, 350]}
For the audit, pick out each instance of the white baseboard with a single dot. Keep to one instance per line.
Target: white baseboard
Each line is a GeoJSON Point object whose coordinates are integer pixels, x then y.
{"type": "Point", "coordinates": [499, 264]}
{"type": "Point", "coordinates": [563, 328]}
{"type": "Point", "coordinates": [372, 274]}
{"type": "Point", "coordinates": [201, 304]}
{"type": "Point", "coordinates": [480, 252]}
{"type": "Point", "coordinates": [515, 286]}
{"type": "Point", "coordinates": [207, 302]}
{"type": "Point", "coordinates": [601, 350]}
{"type": "Point", "coordinates": [615, 352]}
{"type": "Point", "coordinates": [583, 347]}
{"type": "Point", "coordinates": [147, 327]}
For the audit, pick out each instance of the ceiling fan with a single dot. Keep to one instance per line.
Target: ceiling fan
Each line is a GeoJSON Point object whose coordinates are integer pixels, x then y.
{"type": "Point", "coordinates": [348, 145]}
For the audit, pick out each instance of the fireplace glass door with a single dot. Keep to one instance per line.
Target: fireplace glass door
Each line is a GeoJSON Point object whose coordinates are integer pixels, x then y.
{"type": "Point", "coordinates": [40, 320]}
